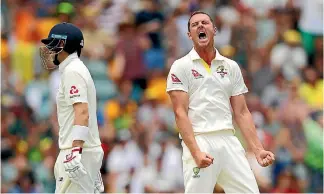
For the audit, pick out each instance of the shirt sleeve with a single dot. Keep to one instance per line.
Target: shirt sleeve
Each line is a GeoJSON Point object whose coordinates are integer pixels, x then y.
{"type": "Point", "coordinates": [75, 88]}
{"type": "Point", "coordinates": [177, 79]}
{"type": "Point", "coordinates": [239, 86]}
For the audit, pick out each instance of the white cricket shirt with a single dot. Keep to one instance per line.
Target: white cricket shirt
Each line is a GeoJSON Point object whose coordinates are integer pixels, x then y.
{"type": "Point", "coordinates": [76, 86]}
{"type": "Point", "coordinates": [209, 89]}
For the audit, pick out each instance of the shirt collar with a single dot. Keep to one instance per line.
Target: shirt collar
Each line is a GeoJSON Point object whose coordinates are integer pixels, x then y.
{"type": "Point", "coordinates": [194, 55]}
{"type": "Point", "coordinates": [67, 61]}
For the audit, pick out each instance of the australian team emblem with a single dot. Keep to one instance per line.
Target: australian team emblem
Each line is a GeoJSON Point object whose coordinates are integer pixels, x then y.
{"type": "Point", "coordinates": [221, 70]}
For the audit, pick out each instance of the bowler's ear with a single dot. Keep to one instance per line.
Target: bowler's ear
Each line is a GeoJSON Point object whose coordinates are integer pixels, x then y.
{"type": "Point", "coordinates": [215, 30]}
{"type": "Point", "coordinates": [189, 35]}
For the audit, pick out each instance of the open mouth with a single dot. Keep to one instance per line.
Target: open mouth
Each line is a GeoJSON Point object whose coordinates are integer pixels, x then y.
{"type": "Point", "coordinates": [202, 35]}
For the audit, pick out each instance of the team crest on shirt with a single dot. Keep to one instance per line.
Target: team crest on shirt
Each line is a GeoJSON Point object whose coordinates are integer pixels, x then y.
{"type": "Point", "coordinates": [175, 79]}
{"type": "Point", "coordinates": [221, 70]}
{"type": "Point", "coordinates": [196, 171]}
{"type": "Point", "coordinates": [74, 92]}
{"type": "Point", "coordinates": [196, 74]}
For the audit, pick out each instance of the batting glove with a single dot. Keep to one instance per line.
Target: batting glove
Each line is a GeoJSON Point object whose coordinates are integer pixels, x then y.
{"type": "Point", "coordinates": [73, 166]}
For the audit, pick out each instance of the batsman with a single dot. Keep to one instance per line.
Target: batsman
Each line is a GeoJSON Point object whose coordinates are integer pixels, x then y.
{"type": "Point", "coordinates": [77, 168]}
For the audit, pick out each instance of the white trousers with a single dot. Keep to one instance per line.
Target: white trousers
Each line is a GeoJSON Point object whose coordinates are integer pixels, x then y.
{"type": "Point", "coordinates": [90, 183]}
{"type": "Point", "coordinates": [230, 168]}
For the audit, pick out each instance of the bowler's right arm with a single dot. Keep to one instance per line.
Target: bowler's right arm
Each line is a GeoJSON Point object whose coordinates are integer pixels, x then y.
{"type": "Point", "coordinates": [177, 88]}
{"type": "Point", "coordinates": [180, 102]}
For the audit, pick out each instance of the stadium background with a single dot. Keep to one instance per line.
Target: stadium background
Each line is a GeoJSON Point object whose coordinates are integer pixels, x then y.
{"type": "Point", "coordinates": [129, 48]}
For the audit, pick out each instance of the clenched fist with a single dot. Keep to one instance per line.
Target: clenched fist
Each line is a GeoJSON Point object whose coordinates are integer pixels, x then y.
{"type": "Point", "coordinates": [203, 159]}
{"type": "Point", "coordinates": [265, 158]}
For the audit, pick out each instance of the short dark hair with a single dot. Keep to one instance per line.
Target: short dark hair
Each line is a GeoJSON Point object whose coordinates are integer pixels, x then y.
{"type": "Point", "coordinates": [198, 12]}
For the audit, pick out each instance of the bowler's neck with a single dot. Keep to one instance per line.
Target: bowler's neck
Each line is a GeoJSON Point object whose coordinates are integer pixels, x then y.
{"type": "Point", "coordinates": [207, 54]}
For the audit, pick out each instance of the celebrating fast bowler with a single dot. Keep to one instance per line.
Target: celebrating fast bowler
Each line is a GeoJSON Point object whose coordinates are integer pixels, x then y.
{"type": "Point", "coordinates": [203, 87]}
{"type": "Point", "coordinates": [77, 168]}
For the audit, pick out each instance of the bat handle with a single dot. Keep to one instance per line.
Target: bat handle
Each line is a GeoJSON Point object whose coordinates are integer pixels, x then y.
{"type": "Point", "coordinates": [65, 185]}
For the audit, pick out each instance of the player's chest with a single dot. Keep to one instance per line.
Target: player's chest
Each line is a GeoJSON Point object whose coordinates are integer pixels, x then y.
{"type": "Point", "coordinates": [209, 78]}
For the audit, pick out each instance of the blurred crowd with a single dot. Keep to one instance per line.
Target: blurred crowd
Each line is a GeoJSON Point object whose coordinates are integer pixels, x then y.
{"type": "Point", "coordinates": [129, 48]}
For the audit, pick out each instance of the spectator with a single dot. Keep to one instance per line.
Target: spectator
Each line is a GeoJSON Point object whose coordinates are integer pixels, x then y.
{"type": "Point", "coordinates": [260, 73]}
{"type": "Point", "coordinates": [157, 85]}
{"type": "Point", "coordinates": [155, 116]}
{"type": "Point", "coordinates": [276, 92]}
{"type": "Point", "coordinates": [149, 20]}
{"type": "Point", "coordinates": [244, 36]}
{"type": "Point", "coordinates": [156, 176]}
{"type": "Point", "coordinates": [115, 10]}
{"type": "Point", "coordinates": [310, 22]}
{"type": "Point", "coordinates": [311, 91]}
{"type": "Point", "coordinates": [272, 124]}
{"type": "Point", "coordinates": [121, 110]}
{"type": "Point", "coordinates": [65, 11]}
{"type": "Point", "coordinates": [314, 153]}
{"type": "Point", "coordinates": [289, 56]}
{"type": "Point", "coordinates": [25, 184]}
{"type": "Point", "coordinates": [130, 51]}
{"type": "Point", "coordinates": [97, 38]}
{"type": "Point", "coordinates": [286, 183]}
{"type": "Point", "coordinates": [225, 18]}
{"type": "Point", "coordinates": [181, 17]}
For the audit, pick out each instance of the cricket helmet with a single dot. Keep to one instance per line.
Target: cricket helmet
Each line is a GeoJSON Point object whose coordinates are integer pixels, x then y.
{"type": "Point", "coordinates": [63, 36]}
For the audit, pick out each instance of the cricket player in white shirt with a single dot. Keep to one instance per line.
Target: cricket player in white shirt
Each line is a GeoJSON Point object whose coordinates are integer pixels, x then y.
{"type": "Point", "coordinates": [77, 168]}
{"type": "Point", "coordinates": [203, 87]}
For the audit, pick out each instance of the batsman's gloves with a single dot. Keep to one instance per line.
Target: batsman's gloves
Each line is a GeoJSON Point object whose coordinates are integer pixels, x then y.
{"type": "Point", "coordinates": [73, 166]}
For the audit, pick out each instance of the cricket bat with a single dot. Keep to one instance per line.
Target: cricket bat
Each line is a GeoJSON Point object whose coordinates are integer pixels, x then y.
{"type": "Point", "coordinates": [65, 185]}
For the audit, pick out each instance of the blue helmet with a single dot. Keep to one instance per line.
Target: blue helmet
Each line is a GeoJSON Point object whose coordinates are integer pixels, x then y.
{"type": "Point", "coordinates": [71, 34]}
{"type": "Point", "coordinates": [63, 36]}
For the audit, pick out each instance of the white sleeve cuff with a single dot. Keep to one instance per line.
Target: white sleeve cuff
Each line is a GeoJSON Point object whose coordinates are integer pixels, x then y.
{"type": "Point", "coordinates": [80, 132]}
